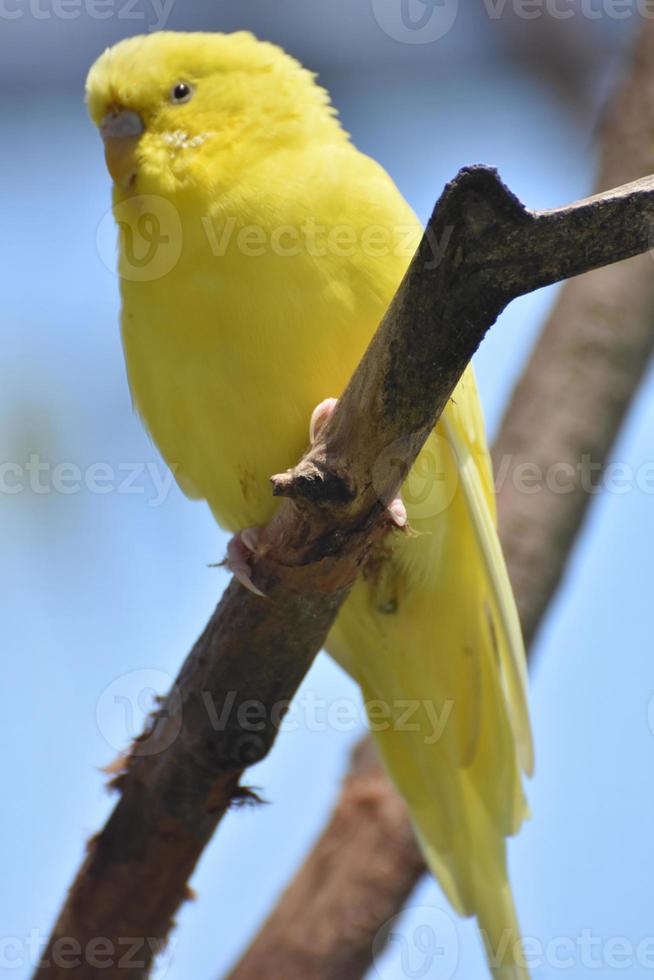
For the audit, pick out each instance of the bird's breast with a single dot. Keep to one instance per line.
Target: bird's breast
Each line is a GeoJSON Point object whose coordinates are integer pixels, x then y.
{"type": "Point", "coordinates": [226, 361]}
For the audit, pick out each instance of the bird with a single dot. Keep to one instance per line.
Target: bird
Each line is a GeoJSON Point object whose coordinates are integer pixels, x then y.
{"type": "Point", "coordinates": [259, 250]}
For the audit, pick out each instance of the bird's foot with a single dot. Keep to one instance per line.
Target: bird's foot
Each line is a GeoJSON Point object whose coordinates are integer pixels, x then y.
{"type": "Point", "coordinates": [319, 419]}
{"type": "Point", "coordinates": [397, 512]}
{"type": "Point", "coordinates": [240, 549]}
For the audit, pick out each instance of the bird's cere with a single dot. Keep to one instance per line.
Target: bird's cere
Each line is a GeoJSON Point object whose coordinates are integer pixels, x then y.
{"type": "Point", "coordinates": [121, 124]}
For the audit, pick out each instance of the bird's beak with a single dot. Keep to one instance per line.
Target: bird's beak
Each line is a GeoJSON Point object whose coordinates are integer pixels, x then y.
{"type": "Point", "coordinates": [121, 130]}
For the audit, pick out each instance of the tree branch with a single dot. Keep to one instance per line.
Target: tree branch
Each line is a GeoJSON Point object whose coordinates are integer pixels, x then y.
{"type": "Point", "coordinates": [183, 774]}
{"type": "Point", "coordinates": [568, 406]}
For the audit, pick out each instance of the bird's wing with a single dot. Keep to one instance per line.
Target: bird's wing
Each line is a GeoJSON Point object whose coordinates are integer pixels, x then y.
{"type": "Point", "coordinates": [433, 639]}
{"type": "Point", "coordinates": [464, 427]}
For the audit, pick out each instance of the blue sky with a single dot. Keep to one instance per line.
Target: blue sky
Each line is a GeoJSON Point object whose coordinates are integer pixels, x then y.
{"type": "Point", "coordinates": [103, 593]}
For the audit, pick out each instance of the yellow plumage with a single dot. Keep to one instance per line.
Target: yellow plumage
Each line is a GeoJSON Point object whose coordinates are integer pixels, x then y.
{"type": "Point", "coordinates": [287, 246]}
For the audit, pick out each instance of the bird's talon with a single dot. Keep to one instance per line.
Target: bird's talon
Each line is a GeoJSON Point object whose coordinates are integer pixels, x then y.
{"type": "Point", "coordinates": [239, 555]}
{"type": "Point", "coordinates": [397, 512]}
{"type": "Point", "coordinates": [320, 416]}
{"type": "Point", "coordinates": [250, 538]}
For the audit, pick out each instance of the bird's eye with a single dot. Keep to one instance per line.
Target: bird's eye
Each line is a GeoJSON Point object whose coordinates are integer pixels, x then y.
{"type": "Point", "coordinates": [181, 92]}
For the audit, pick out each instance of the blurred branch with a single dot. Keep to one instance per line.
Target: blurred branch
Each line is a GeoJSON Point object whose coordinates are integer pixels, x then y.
{"type": "Point", "coordinates": [183, 773]}
{"type": "Point", "coordinates": [575, 392]}
{"type": "Point", "coordinates": [568, 54]}
{"type": "Point", "coordinates": [586, 368]}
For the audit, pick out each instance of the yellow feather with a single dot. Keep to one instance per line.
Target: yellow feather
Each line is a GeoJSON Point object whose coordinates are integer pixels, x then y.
{"type": "Point", "coordinates": [277, 247]}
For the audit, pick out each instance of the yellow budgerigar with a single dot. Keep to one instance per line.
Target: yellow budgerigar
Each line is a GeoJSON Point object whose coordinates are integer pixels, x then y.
{"type": "Point", "coordinates": [259, 251]}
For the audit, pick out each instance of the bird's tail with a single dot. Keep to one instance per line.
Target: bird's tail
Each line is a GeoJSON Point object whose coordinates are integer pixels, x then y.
{"type": "Point", "coordinates": [464, 849]}
{"type": "Point", "coordinates": [434, 636]}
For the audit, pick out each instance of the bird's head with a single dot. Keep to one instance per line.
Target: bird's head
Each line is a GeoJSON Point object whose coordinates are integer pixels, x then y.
{"type": "Point", "coordinates": [185, 110]}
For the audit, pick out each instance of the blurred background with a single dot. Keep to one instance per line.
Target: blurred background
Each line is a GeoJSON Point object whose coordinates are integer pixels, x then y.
{"type": "Point", "coordinates": [104, 577]}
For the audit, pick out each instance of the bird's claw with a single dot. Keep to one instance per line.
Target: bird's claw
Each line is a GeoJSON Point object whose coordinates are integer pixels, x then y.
{"type": "Point", "coordinates": [397, 512]}
{"type": "Point", "coordinates": [320, 416]}
{"type": "Point", "coordinates": [239, 556]}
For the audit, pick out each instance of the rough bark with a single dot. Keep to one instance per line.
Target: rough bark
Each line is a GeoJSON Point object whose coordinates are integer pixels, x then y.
{"type": "Point", "coordinates": [575, 392]}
